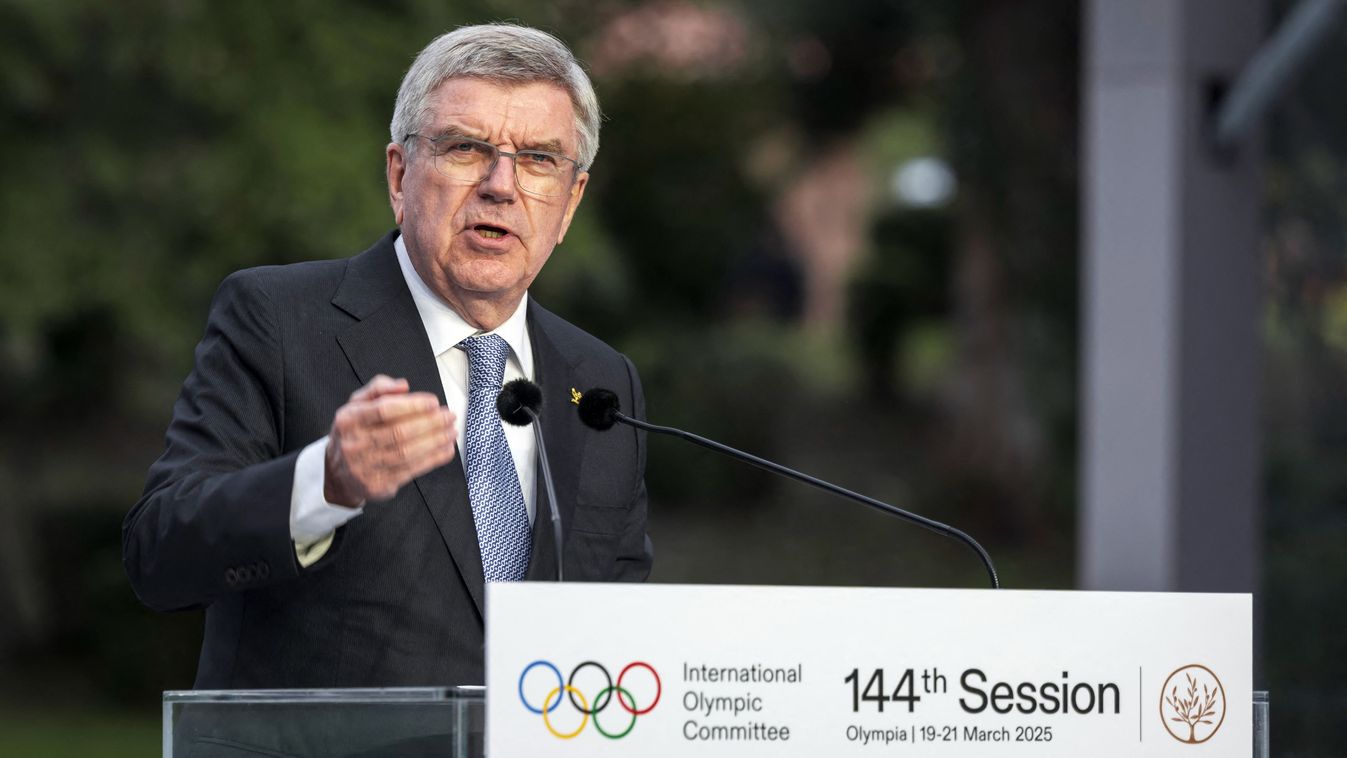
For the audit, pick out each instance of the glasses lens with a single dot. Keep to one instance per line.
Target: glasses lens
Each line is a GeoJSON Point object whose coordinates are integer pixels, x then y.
{"type": "Point", "coordinates": [542, 173]}
{"type": "Point", "coordinates": [464, 159]}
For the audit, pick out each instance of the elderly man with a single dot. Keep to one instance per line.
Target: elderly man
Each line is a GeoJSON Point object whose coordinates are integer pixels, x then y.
{"type": "Point", "coordinates": [336, 487]}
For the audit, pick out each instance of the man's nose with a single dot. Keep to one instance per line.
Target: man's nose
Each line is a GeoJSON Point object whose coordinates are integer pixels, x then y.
{"type": "Point", "coordinates": [499, 184]}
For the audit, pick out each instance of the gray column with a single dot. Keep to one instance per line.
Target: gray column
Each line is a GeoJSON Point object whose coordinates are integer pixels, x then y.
{"type": "Point", "coordinates": [1170, 469]}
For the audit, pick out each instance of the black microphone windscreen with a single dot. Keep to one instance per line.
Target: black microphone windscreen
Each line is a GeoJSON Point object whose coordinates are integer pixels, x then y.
{"type": "Point", "coordinates": [598, 409]}
{"type": "Point", "coordinates": [516, 398]}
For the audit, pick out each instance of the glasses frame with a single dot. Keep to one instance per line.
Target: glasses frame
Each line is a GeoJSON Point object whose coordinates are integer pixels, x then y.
{"type": "Point", "coordinates": [497, 153]}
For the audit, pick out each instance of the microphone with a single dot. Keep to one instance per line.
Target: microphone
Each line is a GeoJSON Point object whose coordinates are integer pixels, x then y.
{"type": "Point", "coordinates": [601, 408]}
{"type": "Point", "coordinates": [518, 404]}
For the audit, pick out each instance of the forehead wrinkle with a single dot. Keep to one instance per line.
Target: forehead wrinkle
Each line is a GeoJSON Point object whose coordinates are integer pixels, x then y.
{"type": "Point", "coordinates": [531, 115]}
{"type": "Point", "coordinates": [527, 140]}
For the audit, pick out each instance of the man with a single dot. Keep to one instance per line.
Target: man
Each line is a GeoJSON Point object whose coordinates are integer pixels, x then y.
{"type": "Point", "coordinates": [336, 487]}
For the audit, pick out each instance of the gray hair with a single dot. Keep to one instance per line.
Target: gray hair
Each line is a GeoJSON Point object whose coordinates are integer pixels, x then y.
{"type": "Point", "coordinates": [498, 53]}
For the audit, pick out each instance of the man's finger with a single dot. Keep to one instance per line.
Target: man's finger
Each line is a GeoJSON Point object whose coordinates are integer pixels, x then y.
{"type": "Point", "coordinates": [389, 409]}
{"type": "Point", "coordinates": [428, 457]}
{"type": "Point", "coordinates": [440, 457]}
{"type": "Point", "coordinates": [402, 452]}
{"type": "Point", "coordinates": [437, 422]}
{"type": "Point", "coordinates": [412, 454]}
{"type": "Point", "coordinates": [380, 385]}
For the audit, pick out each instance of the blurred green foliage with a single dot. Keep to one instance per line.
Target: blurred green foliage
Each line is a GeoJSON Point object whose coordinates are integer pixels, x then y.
{"type": "Point", "coordinates": [150, 147]}
{"type": "Point", "coordinates": [62, 734]}
{"type": "Point", "coordinates": [1306, 410]}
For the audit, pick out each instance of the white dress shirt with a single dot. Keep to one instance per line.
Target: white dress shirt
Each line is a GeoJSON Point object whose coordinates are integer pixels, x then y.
{"type": "Point", "coordinates": [313, 519]}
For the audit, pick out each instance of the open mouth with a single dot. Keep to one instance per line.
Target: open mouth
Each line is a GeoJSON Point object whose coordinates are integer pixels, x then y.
{"type": "Point", "coordinates": [490, 232]}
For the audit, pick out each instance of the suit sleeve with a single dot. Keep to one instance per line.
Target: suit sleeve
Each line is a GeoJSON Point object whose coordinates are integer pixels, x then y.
{"type": "Point", "coordinates": [634, 561]}
{"type": "Point", "coordinates": [214, 517]}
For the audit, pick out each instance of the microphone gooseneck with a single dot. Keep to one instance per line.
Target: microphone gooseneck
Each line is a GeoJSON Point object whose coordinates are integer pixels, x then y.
{"type": "Point", "coordinates": [518, 404]}
{"type": "Point", "coordinates": [601, 408]}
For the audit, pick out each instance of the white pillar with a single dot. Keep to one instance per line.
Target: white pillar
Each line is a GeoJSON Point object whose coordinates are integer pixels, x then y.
{"type": "Point", "coordinates": [1171, 295]}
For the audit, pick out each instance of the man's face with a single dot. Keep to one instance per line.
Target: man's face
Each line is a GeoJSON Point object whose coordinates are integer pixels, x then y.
{"type": "Point", "coordinates": [452, 228]}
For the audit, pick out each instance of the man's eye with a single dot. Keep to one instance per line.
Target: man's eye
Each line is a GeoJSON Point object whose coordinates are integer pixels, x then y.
{"type": "Point", "coordinates": [460, 147]}
{"type": "Point", "coordinates": [539, 159]}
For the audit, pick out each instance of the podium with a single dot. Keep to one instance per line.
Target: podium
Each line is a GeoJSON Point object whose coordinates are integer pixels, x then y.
{"type": "Point", "coordinates": [666, 671]}
{"type": "Point", "coordinates": [412, 722]}
{"type": "Point", "coordinates": [445, 722]}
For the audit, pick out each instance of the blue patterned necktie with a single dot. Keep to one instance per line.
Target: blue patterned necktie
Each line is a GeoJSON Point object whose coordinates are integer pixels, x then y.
{"type": "Point", "coordinates": [493, 485]}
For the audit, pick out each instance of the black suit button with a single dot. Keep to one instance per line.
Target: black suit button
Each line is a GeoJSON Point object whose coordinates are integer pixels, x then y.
{"type": "Point", "coordinates": [231, 577]}
{"type": "Point", "coordinates": [246, 575]}
{"type": "Point", "coordinates": [263, 570]}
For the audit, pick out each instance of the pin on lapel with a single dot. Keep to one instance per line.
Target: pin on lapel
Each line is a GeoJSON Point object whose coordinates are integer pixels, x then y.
{"type": "Point", "coordinates": [575, 396]}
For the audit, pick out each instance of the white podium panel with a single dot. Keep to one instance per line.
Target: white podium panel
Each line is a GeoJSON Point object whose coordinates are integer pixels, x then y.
{"type": "Point", "coordinates": [678, 670]}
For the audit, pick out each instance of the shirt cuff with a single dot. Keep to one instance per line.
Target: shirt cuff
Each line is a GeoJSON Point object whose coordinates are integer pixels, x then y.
{"type": "Point", "coordinates": [313, 519]}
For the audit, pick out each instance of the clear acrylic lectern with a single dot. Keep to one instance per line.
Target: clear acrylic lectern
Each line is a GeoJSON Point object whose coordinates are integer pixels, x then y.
{"type": "Point", "coordinates": [414, 722]}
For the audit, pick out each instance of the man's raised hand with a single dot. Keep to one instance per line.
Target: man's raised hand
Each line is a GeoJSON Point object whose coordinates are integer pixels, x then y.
{"type": "Point", "coordinates": [382, 438]}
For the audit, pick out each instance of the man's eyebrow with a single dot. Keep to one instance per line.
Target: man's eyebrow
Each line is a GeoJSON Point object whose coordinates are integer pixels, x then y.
{"type": "Point", "coordinates": [547, 146]}
{"type": "Point", "coordinates": [553, 145]}
{"type": "Point", "coordinates": [457, 130]}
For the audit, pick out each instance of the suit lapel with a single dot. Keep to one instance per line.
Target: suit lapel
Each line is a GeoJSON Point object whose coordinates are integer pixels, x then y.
{"type": "Point", "coordinates": [389, 338]}
{"type": "Point", "coordinates": [555, 375]}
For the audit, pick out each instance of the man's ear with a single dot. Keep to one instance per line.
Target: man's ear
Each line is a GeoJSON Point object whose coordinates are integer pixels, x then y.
{"type": "Point", "coordinates": [573, 202]}
{"type": "Point", "coordinates": [396, 169]}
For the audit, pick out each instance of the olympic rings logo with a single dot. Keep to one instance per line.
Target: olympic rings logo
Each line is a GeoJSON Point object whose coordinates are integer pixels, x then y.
{"type": "Point", "coordinates": [613, 692]}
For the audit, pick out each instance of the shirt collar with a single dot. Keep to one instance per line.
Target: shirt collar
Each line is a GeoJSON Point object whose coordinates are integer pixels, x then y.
{"type": "Point", "coordinates": [446, 328]}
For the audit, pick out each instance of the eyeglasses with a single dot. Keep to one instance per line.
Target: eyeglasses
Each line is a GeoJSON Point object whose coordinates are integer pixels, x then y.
{"type": "Point", "coordinates": [464, 159]}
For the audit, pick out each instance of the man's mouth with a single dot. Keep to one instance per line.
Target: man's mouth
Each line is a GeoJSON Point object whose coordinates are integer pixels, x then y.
{"type": "Point", "coordinates": [490, 232]}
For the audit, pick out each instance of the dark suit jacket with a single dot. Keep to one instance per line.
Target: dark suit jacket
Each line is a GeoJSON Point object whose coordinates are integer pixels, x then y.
{"type": "Point", "coordinates": [398, 599]}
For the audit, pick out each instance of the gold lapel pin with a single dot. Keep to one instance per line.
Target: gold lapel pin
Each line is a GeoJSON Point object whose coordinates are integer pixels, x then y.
{"type": "Point", "coordinates": [575, 396]}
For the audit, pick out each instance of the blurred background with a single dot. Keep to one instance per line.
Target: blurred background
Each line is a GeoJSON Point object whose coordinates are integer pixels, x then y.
{"type": "Point", "coordinates": [846, 236]}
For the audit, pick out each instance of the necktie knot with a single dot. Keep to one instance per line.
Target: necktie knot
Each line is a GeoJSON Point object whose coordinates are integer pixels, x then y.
{"type": "Point", "coordinates": [486, 361]}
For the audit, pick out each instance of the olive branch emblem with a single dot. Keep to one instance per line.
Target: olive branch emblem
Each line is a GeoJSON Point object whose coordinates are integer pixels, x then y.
{"type": "Point", "coordinates": [1193, 703]}
{"type": "Point", "coordinates": [1191, 709]}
